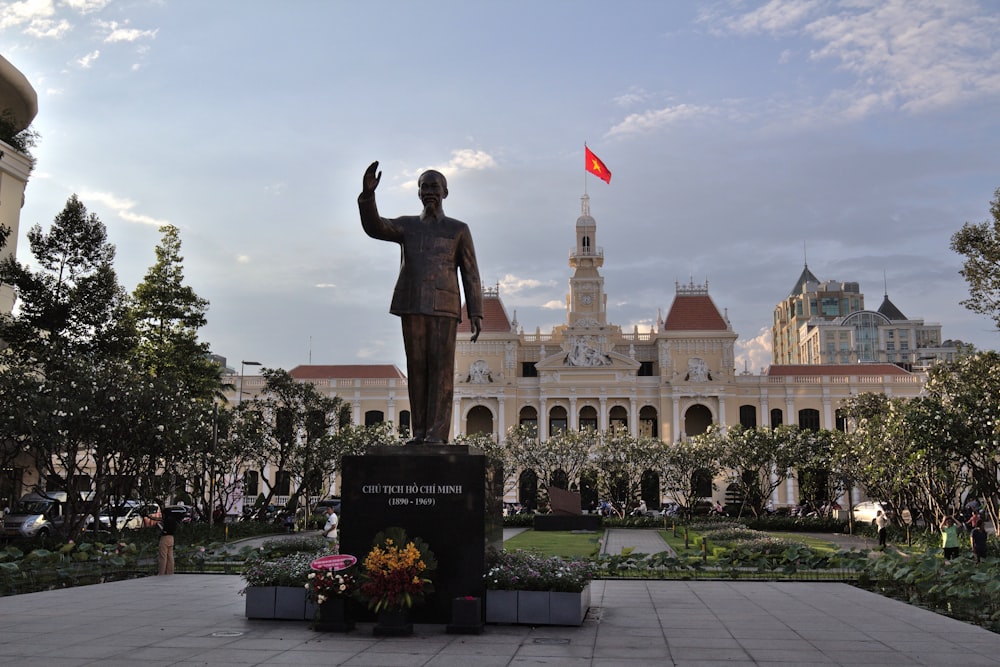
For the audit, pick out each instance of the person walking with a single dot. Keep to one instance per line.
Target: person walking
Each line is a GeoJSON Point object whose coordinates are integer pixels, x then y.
{"type": "Point", "coordinates": [949, 538]}
{"type": "Point", "coordinates": [330, 531]}
{"type": "Point", "coordinates": [978, 539]}
{"type": "Point", "coordinates": [882, 523]}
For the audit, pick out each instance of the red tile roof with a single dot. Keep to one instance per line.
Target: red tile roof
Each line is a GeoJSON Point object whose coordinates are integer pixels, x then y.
{"type": "Point", "coordinates": [694, 312]}
{"type": "Point", "coordinates": [495, 318]}
{"type": "Point", "coordinates": [837, 369]}
{"type": "Point", "coordinates": [346, 372]}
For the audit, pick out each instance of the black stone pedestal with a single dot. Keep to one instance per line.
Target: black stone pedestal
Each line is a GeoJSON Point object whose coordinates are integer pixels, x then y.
{"type": "Point", "coordinates": [434, 493]}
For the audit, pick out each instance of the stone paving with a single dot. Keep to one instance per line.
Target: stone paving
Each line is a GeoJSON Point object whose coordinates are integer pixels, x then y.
{"type": "Point", "coordinates": [199, 620]}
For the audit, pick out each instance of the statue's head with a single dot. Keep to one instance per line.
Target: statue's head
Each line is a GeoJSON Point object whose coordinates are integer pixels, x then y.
{"type": "Point", "coordinates": [432, 186]}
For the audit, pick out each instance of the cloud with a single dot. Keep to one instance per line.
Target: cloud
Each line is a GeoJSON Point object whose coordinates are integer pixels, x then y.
{"type": "Point", "coordinates": [119, 33]}
{"type": "Point", "coordinates": [122, 207]}
{"type": "Point", "coordinates": [554, 305]}
{"type": "Point", "coordinates": [908, 55]}
{"type": "Point", "coordinates": [45, 29]}
{"type": "Point", "coordinates": [511, 285]}
{"type": "Point", "coordinates": [325, 285]}
{"type": "Point", "coordinates": [657, 118]}
{"type": "Point", "coordinates": [243, 259]}
{"type": "Point", "coordinates": [463, 159]}
{"type": "Point", "coordinates": [86, 6]}
{"type": "Point", "coordinates": [86, 61]}
{"type": "Point", "coordinates": [777, 16]}
{"type": "Point", "coordinates": [754, 354]}
{"type": "Point", "coordinates": [14, 14]}
{"type": "Point", "coordinates": [632, 97]}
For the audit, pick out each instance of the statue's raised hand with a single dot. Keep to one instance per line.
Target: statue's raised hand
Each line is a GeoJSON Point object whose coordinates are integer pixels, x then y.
{"type": "Point", "coordinates": [371, 179]}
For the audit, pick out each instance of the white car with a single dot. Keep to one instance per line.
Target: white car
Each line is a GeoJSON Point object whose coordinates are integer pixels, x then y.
{"type": "Point", "coordinates": [865, 512]}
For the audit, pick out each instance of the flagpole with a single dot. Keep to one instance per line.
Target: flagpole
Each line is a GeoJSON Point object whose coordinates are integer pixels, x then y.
{"type": "Point", "coordinates": [585, 169]}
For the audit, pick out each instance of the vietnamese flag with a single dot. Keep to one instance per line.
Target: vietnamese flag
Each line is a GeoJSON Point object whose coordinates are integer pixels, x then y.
{"type": "Point", "coordinates": [594, 165]}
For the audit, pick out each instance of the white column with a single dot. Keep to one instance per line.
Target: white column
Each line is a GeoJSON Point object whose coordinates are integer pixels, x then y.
{"type": "Point", "coordinates": [722, 411]}
{"type": "Point", "coordinates": [675, 426]}
{"type": "Point", "coordinates": [501, 419]}
{"type": "Point", "coordinates": [765, 413]}
{"type": "Point", "coordinates": [574, 417]}
{"type": "Point", "coordinates": [543, 418]}
{"type": "Point", "coordinates": [633, 416]}
{"type": "Point", "coordinates": [456, 416]}
{"type": "Point", "coordinates": [603, 423]}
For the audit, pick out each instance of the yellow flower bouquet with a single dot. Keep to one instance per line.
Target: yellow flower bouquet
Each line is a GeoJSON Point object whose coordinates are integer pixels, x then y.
{"type": "Point", "coordinates": [394, 574]}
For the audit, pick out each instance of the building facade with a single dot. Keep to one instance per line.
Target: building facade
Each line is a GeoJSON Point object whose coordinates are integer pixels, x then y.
{"type": "Point", "coordinates": [18, 106]}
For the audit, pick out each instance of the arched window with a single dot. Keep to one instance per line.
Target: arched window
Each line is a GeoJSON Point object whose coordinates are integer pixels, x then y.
{"type": "Point", "coordinates": [404, 423]}
{"type": "Point", "coordinates": [588, 418]}
{"type": "Point", "coordinates": [527, 489]}
{"type": "Point", "coordinates": [479, 420]}
{"type": "Point", "coordinates": [697, 419]}
{"type": "Point", "coordinates": [528, 418]}
{"type": "Point", "coordinates": [618, 419]}
{"type": "Point", "coordinates": [809, 419]}
{"type": "Point", "coordinates": [748, 416]}
{"type": "Point", "coordinates": [557, 420]}
{"type": "Point", "coordinates": [648, 424]}
{"type": "Point", "coordinates": [251, 485]}
{"type": "Point", "coordinates": [373, 417]}
{"type": "Point", "coordinates": [776, 419]}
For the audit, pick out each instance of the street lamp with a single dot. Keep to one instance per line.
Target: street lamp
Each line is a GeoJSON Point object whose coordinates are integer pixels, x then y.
{"type": "Point", "coordinates": [239, 394]}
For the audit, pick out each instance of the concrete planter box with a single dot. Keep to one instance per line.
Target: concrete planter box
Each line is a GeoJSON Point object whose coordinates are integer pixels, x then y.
{"type": "Point", "coordinates": [537, 607]}
{"type": "Point", "coordinates": [260, 601]}
{"type": "Point", "coordinates": [283, 602]}
{"type": "Point", "coordinates": [501, 606]}
{"type": "Point", "coordinates": [290, 604]}
{"type": "Point", "coordinates": [569, 608]}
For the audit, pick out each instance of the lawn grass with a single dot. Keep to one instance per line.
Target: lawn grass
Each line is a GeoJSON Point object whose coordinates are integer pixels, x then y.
{"type": "Point", "coordinates": [817, 544]}
{"type": "Point", "coordinates": [562, 543]}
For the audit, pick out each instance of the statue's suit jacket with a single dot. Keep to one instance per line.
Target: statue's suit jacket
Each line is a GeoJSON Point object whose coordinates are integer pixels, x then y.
{"type": "Point", "coordinates": [430, 250]}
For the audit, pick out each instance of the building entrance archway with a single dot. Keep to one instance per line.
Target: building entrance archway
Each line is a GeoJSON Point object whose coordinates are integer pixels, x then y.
{"type": "Point", "coordinates": [697, 419]}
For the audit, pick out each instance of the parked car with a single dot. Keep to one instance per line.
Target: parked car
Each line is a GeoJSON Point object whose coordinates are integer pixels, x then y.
{"type": "Point", "coordinates": [329, 502]}
{"type": "Point", "coordinates": [865, 512]}
{"type": "Point", "coordinates": [38, 514]}
{"type": "Point", "coordinates": [129, 515]}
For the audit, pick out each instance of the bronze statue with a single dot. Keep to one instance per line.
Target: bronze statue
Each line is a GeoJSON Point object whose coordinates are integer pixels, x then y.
{"type": "Point", "coordinates": [433, 249]}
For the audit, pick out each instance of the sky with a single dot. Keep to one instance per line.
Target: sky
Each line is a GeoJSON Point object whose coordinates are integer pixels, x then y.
{"type": "Point", "coordinates": [744, 139]}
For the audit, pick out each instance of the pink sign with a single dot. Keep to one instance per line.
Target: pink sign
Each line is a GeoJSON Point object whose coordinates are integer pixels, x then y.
{"type": "Point", "coordinates": [336, 562]}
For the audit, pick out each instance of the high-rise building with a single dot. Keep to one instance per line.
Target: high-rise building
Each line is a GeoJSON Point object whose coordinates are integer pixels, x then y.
{"type": "Point", "coordinates": [826, 323]}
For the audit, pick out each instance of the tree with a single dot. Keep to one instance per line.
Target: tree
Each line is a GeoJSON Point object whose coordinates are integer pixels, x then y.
{"type": "Point", "coordinates": [65, 371]}
{"type": "Point", "coordinates": [73, 306]}
{"type": "Point", "coordinates": [168, 316]}
{"type": "Point", "coordinates": [980, 243]}
{"type": "Point", "coordinates": [969, 390]}
{"type": "Point", "coordinates": [622, 459]}
{"type": "Point", "coordinates": [289, 427]}
{"type": "Point", "coordinates": [760, 460]}
{"type": "Point", "coordinates": [683, 463]}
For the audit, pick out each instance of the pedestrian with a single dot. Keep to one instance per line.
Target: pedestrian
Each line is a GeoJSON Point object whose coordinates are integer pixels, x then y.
{"type": "Point", "coordinates": [978, 539]}
{"type": "Point", "coordinates": [882, 523]}
{"type": "Point", "coordinates": [949, 538]}
{"type": "Point", "coordinates": [330, 531]}
{"type": "Point", "coordinates": [169, 520]}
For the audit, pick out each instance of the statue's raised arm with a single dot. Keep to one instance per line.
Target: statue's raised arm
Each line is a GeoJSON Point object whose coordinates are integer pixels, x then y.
{"type": "Point", "coordinates": [371, 179]}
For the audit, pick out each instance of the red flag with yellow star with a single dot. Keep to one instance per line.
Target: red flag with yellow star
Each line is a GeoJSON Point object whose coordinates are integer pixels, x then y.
{"type": "Point", "coordinates": [594, 165]}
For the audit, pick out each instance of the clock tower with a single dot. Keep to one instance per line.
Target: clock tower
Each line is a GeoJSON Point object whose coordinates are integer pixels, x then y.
{"type": "Point", "coordinates": [586, 302]}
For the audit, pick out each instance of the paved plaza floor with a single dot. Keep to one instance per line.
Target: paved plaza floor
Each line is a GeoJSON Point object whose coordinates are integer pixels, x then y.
{"type": "Point", "coordinates": [199, 620]}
